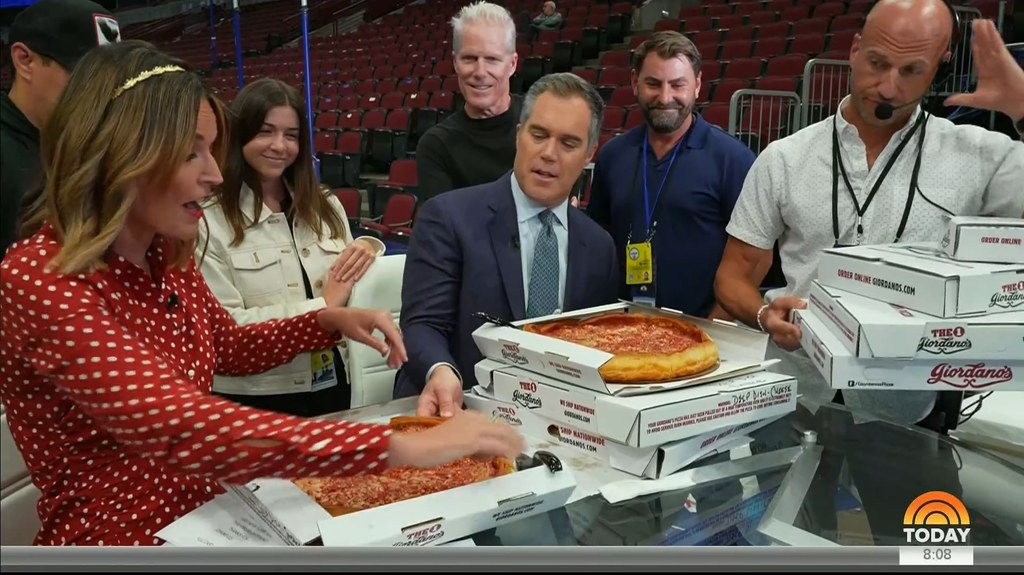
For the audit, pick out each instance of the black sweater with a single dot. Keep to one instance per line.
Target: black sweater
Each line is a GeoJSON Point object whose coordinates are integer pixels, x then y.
{"type": "Point", "coordinates": [461, 151]}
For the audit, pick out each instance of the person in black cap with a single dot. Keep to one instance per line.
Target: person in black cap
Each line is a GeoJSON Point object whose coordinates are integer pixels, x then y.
{"type": "Point", "coordinates": [46, 40]}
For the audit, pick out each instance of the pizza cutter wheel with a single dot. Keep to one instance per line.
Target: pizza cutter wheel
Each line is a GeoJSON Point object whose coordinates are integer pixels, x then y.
{"type": "Point", "coordinates": [538, 459]}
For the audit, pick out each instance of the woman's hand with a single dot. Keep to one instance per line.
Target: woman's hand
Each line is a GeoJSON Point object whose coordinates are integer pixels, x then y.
{"type": "Point", "coordinates": [467, 434]}
{"type": "Point", "coordinates": [336, 293]}
{"type": "Point", "coordinates": [352, 264]}
{"type": "Point", "coordinates": [361, 324]}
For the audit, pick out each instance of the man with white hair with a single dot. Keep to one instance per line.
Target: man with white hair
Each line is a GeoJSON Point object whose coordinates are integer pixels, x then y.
{"type": "Point", "coordinates": [548, 19]}
{"type": "Point", "coordinates": [477, 143]}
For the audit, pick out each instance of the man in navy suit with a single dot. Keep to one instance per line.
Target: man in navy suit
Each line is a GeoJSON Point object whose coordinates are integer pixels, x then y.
{"type": "Point", "coordinates": [513, 248]}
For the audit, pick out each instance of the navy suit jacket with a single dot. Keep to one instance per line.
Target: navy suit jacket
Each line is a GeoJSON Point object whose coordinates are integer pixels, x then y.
{"type": "Point", "coordinates": [464, 258]}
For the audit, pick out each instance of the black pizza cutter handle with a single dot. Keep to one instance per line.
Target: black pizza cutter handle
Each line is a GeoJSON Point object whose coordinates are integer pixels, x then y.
{"type": "Point", "coordinates": [538, 459]}
{"type": "Point", "coordinates": [493, 319]}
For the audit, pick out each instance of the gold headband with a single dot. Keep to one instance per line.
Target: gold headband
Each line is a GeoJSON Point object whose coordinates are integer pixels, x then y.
{"type": "Point", "coordinates": [145, 76]}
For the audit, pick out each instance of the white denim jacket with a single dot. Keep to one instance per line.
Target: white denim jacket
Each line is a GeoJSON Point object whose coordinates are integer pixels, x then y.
{"type": "Point", "coordinates": [260, 279]}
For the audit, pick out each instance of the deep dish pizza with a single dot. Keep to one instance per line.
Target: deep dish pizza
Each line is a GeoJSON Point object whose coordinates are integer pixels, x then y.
{"type": "Point", "coordinates": [646, 348]}
{"type": "Point", "coordinates": [341, 495]}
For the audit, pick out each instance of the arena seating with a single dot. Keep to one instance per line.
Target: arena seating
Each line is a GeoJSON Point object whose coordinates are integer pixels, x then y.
{"type": "Point", "coordinates": [377, 88]}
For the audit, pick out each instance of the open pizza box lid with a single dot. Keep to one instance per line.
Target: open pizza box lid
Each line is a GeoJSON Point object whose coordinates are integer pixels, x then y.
{"type": "Point", "coordinates": [741, 351]}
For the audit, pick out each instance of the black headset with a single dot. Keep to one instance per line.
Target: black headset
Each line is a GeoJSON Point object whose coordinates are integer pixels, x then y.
{"type": "Point", "coordinates": [946, 67]}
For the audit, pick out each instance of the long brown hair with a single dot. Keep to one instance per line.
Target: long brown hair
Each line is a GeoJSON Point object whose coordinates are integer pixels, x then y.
{"type": "Point", "coordinates": [126, 118]}
{"type": "Point", "coordinates": [248, 112]}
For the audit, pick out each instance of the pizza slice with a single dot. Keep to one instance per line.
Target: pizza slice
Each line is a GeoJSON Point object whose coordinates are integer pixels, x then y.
{"type": "Point", "coordinates": [645, 348]}
{"type": "Point", "coordinates": [343, 495]}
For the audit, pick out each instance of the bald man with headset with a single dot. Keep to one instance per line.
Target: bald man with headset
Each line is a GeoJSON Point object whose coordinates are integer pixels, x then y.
{"type": "Point", "coordinates": [889, 171]}
{"type": "Point", "coordinates": [879, 171]}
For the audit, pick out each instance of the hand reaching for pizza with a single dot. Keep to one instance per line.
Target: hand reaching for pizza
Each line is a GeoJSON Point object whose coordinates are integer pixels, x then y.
{"type": "Point", "coordinates": [467, 434]}
{"type": "Point", "coordinates": [775, 319]}
{"type": "Point", "coordinates": [442, 394]}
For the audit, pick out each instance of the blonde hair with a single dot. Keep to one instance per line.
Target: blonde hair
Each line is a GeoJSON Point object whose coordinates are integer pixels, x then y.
{"type": "Point", "coordinates": [126, 119]}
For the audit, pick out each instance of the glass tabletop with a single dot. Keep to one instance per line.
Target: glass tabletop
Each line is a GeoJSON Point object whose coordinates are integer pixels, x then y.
{"type": "Point", "coordinates": [823, 475]}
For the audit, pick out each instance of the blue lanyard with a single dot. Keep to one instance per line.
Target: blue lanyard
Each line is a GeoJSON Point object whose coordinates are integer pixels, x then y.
{"type": "Point", "coordinates": [648, 212]}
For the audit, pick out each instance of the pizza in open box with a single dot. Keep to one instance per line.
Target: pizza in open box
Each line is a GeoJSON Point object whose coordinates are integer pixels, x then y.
{"type": "Point", "coordinates": [646, 348]}
{"type": "Point", "coordinates": [342, 495]}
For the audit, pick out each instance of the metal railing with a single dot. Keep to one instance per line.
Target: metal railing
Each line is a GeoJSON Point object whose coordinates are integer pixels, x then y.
{"type": "Point", "coordinates": [825, 84]}
{"type": "Point", "coordinates": [759, 117]}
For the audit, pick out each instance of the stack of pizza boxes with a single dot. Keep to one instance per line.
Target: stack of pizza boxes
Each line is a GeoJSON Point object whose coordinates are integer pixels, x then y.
{"type": "Point", "coordinates": [555, 392]}
{"type": "Point", "coordinates": [936, 316]}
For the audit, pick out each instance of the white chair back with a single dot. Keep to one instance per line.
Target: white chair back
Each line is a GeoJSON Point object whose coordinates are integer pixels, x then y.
{"type": "Point", "coordinates": [371, 379]}
{"type": "Point", "coordinates": [18, 496]}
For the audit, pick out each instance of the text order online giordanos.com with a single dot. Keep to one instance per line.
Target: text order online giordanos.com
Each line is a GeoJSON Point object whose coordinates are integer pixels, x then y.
{"type": "Point", "coordinates": [878, 282]}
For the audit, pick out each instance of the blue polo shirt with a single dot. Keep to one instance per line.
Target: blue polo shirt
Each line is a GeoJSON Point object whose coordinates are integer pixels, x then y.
{"type": "Point", "coordinates": [695, 206]}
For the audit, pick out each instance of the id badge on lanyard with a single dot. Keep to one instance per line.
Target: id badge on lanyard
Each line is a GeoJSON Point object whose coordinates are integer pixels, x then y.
{"type": "Point", "coordinates": [323, 368]}
{"type": "Point", "coordinates": [640, 268]}
{"type": "Point", "coordinates": [639, 265]}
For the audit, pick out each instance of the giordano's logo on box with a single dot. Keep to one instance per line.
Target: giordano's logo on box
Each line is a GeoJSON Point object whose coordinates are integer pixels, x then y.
{"type": "Point", "coordinates": [937, 517]}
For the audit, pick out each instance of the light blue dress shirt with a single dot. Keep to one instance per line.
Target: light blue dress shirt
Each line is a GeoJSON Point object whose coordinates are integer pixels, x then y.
{"type": "Point", "coordinates": [530, 227]}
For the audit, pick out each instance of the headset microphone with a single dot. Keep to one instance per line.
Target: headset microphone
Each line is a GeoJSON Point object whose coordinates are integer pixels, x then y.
{"type": "Point", "coordinates": [885, 110]}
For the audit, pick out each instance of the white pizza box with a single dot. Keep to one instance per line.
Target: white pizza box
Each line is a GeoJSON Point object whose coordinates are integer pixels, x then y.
{"type": "Point", "coordinates": [741, 350]}
{"type": "Point", "coordinates": [276, 512]}
{"type": "Point", "coordinates": [647, 420]}
{"type": "Point", "coordinates": [843, 370]}
{"type": "Point", "coordinates": [983, 239]}
{"type": "Point", "coordinates": [873, 329]}
{"type": "Point", "coordinates": [922, 278]}
{"type": "Point", "coordinates": [453, 514]}
{"type": "Point", "coordinates": [647, 462]}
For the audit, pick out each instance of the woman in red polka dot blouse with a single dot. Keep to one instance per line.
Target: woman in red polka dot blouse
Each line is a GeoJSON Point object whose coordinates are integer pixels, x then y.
{"type": "Point", "coordinates": [110, 337]}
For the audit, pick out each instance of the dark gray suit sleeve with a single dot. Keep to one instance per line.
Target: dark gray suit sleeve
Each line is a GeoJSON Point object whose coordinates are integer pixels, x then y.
{"type": "Point", "coordinates": [430, 292]}
{"type": "Point", "coordinates": [432, 171]}
{"type": "Point", "coordinates": [599, 205]}
{"type": "Point", "coordinates": [611, 286]}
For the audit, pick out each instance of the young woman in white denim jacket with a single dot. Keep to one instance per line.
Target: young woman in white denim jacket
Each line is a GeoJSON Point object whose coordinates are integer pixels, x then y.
{"type": "Point", "coordinates": [278, 246]}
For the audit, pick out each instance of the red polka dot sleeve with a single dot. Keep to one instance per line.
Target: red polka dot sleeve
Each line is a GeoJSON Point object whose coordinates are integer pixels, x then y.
{"type": "Point", "coordinates": [63, 330]}
{"type": "Point", "coordinates": [254, 348]}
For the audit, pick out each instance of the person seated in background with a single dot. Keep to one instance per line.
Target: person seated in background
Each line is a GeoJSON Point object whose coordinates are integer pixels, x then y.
{"type": "Point", "coordinates": [513, 249]}
{"type": "Point", "coordinates": [476, 143]}
{"type": "Point", "coordinates": [110, 337]}
{"type": "Point", "coordinates": [548, 19]}
{"type": "Point", "coordinates": [276, 246]}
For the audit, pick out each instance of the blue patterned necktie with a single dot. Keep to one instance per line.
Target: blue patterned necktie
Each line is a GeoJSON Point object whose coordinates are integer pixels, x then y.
{"type": "Point", "coordinates": [544, 272]}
